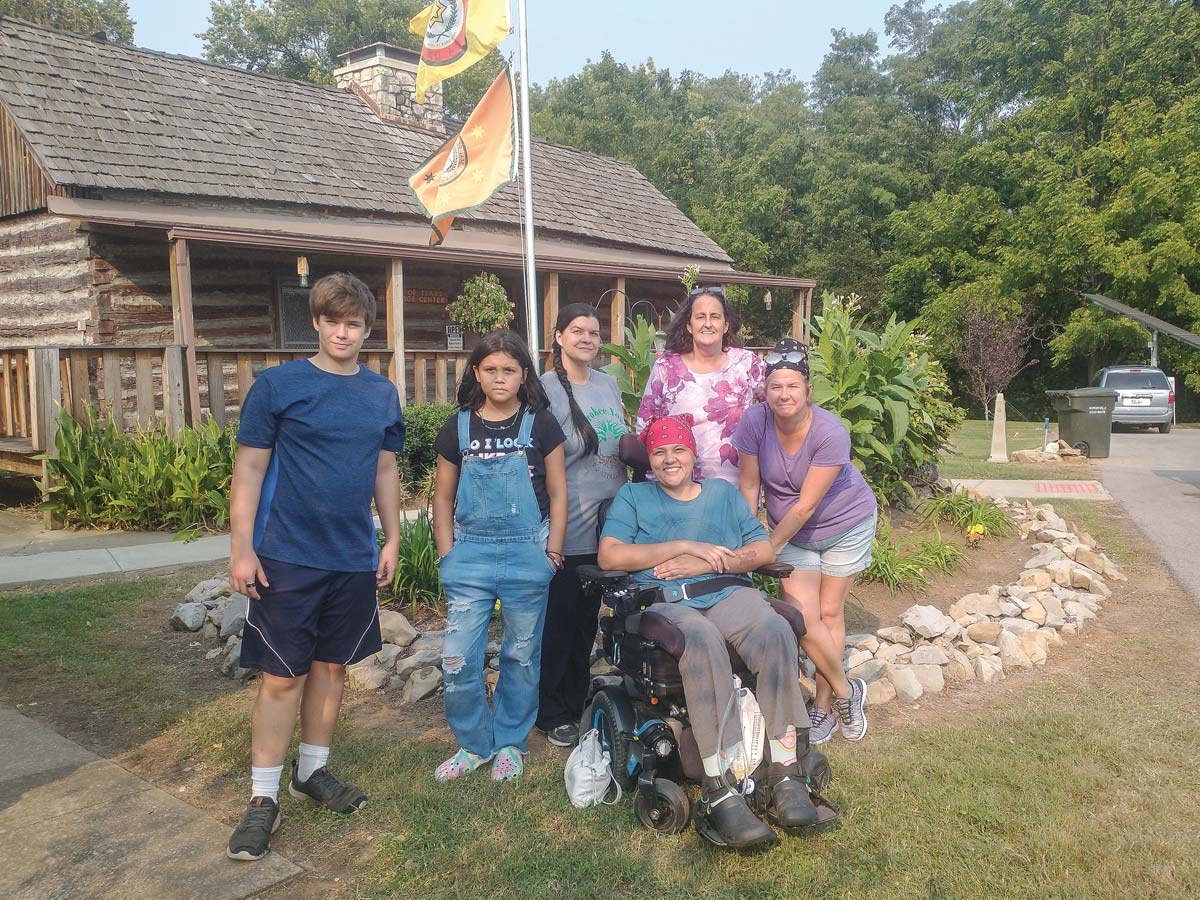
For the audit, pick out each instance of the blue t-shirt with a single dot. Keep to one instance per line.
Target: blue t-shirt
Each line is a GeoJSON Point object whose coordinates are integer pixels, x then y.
{"type": "Point", "coordinates": [646, 514]}
{"type": "Point", "coordinates": [325, 432]}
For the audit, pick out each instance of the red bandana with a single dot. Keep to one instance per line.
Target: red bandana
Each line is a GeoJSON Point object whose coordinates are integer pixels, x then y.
{"type": "Point", "coordinates": [669, 430]}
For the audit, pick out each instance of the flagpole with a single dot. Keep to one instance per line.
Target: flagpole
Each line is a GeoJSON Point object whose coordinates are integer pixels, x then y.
{"type": "Point", "coordinates": [531, 292]}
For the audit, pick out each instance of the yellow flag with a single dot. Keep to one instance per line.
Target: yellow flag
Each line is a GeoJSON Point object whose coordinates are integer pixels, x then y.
{"type": "Point", "coordinates": [470, 167]}
{"type": "Point", "coordinates": [458, 34]}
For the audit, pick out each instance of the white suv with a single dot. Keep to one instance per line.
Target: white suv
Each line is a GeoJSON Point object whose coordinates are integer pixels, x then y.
{"type": "Point", "coordinates": [1144, 396]}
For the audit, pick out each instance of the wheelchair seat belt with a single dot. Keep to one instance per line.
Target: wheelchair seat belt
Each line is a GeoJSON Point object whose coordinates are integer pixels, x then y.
{"type": "Point", "coordinates": [695, 589]}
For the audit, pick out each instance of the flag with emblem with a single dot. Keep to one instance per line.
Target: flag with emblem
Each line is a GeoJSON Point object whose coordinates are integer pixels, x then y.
{"type": "Point", "coordinates": [457, 34]}
{"type": "Point", "coordinates": [469, 168]}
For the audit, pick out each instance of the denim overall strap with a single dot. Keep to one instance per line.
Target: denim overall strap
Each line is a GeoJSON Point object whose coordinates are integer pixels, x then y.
{"type": "Point", "coordinates": [525, 436]}
{"type": "Point", "coordinates": [464, 432]}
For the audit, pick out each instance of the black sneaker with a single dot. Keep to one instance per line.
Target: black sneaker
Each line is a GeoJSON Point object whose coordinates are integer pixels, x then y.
{"type": "Point", "coordinates": [725, 819]}
{"type": "Point", "coordinates": [328, 790]}
{"type": "Point", "coordinates": [791, 805]}
{"type": "Point", "coordinates": [252, 838]}
{"type": "Point", "coordinates": [565, 735]}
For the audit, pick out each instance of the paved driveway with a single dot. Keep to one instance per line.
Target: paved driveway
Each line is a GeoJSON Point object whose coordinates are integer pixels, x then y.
{"type": "Point", "coordinates": [1157, 478]}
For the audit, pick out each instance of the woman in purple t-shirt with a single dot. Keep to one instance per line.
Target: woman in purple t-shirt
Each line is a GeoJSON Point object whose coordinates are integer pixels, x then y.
{"type": "Point", "coordinates": [822, 515]}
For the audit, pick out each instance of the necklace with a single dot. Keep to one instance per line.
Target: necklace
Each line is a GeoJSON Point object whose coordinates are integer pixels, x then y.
{"type": "Point", "coordinates": [503, 424]}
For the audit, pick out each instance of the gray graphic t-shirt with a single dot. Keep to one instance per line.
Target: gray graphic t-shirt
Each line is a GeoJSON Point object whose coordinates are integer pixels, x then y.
{"type": "Point", "coordinates": [590, 479]}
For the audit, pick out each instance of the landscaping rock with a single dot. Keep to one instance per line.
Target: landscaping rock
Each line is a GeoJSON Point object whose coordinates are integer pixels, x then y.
{"type": "Point", "coordinates": [892, 653]}
{"type": "Point", "coordinates": [927, 621]}
{"type": "Point", "coordinates": [960, 667]}
{"type": "Point", "coordinates": [1036, 580]}
{"type": "Point", "coordinates": [233, 617]}
{"type": "Point", "coordinates": [869, 671]}
{"type": "Point", "coordinates": [857, 658]}
{"type": "Point", "coordinates": [1017, 593]}
{"type": "Point", "coordinates": [430, 640]}
{"type": "Point", "coordinates": [896, 635]}
{"type": "Point", "coordinates": [976, 604]}
{"type": "Point", "coordinates": [492, 649]}
{"type": "Point", "coordinates": [931, 678]}
{"type": "Point", "coordinates": [407, 665]}
{"type": "Point", "coordinates": [1012, 655]}
{"type": "Point", "coordinates": [1035, 613]}
{"type": "Point", "coordinates": [1034, 648]}
{"type": "Point", "coordinates": [1052, 638]}
{"type": "Point", "coordinates": [209, 589]}
{"type": "Point", "coordinates": [1077, 612]}
{"type": "Point", "coordinates": [988, 669]}
{"type": "Point", "coordinates": [395, 628]}
{"type": "Point", "coordinates": [368, 675]}
{"type": "Point", "coordinates": [423, 683]}
{"type": "Point", "coordinates": [1070, 629]}
{"type": "Point", "coordinates": [908, 686]}
{"type": "Point", "coordinates": [1091, 559]}
{"type": "Point", "coordinates": [1017, 626]}
{"type": "Point", "coordinates": [189, 616]}
{"type": "Point", "coordinates": [1044, 558]}
{"type": "Point", "coordinates": [867, 642]}
{"type": "Point", "coordinates": [213, 653]}
{"type": "Point", "coordinates": [929, 655]}
{"type": "Point", "coordinates": [388, 655]}
{"type": "Point", "coordinates": [232, 664]}
{"type": "Point", "coordinates": [1060, 572]}
{"type": "Point", "coordinates": [210, 631]}
{"type": "Point", "coordinates": [1010, 608]}
{"type": "Point", "coordinates": [984, 632]}
{"type": "Point", "coordinates": [880, 692]}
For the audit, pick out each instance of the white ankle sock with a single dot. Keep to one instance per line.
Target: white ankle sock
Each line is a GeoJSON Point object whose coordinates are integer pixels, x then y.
{"type": "Point", "coordinates": [712, 766]}
{"type": "Point", "coordinates": [312, 758]}
{"type": "Point", "coordinates": [264, 781]}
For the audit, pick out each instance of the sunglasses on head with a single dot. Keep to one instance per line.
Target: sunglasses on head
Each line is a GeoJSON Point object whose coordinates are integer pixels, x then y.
{"type": "Point", "coordinates": [796, 357]}
{"type": "Point", "coordinates": [701, 291]}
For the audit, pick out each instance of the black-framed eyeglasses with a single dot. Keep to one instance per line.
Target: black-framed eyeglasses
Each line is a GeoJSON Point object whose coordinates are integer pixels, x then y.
{"type": "Point", "coordinates": [796, 357]}
{"type": "Point", "coordinates": [701, 291]}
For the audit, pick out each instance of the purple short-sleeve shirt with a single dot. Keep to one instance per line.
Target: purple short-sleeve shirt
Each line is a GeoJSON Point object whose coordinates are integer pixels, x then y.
{"type": "Point", "coordinates": [849, 499]}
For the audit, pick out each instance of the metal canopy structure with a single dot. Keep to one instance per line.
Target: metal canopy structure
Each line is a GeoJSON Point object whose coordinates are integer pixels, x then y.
{"type": "Point", "coordinates": [1155, 325]}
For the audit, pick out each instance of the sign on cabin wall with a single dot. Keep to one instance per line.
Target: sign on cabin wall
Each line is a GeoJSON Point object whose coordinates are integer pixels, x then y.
{"type": "Point", "coordinates": [454, 337]}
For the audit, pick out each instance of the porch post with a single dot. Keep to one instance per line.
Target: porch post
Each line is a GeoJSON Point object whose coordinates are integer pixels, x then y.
{"type": "Point", "coordinates": [801, 313]}
{"type": "Point", "coordinates": [395, 326]}
{"type": "Point", "coordinates": [185, 328]}
{"type": "Point", "coordinates": [616, 319]}
{"type": "Point", "coordinates": [549, 309]}
{"type": "Point", "coordinates": [45, 401]}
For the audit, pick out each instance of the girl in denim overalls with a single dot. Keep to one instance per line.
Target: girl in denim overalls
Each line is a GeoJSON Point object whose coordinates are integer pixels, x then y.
{"type": "Point", "coordinates": [499, 520]}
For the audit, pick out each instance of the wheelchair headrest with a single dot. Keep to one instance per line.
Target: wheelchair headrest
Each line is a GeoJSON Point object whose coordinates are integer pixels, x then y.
{"type": "Point", "coordinates": [633, 453]}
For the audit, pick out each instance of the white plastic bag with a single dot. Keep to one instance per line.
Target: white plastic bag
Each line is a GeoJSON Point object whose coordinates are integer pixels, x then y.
{"type": "Point", "coordinates": [588, 775]}
{"type": "Point", "coordinates": [754, 730]}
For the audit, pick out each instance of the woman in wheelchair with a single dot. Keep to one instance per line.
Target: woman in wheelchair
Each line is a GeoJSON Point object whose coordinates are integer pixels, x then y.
{"type": "Point", "coordinates": [711, 603]}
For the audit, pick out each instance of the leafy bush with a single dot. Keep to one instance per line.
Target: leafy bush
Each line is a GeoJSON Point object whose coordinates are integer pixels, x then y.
{"type": "Point", "coordinates": [421, 425]}
{"type": "Point", "coordinates": [102, 477]}
{"type": "Point", "coordinates": [971, 514]}
{"type": "Point", "coordinates": [636, 359]}
{"type": "Point", "coordinates": [907, 568]}
{"type": "Point", "coordinates": [891, 396]}
{"type": "Point", "coordinates": [482, 305]}
{"type": "Point", "coordinates": [418, 579]}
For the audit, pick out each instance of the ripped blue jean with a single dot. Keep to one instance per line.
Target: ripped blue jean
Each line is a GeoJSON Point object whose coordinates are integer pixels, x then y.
{"type": "Point", "coordinates": [475, 573]}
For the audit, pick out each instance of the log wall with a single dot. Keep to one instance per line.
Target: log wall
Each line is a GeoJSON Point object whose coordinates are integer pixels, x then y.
{"type": "Point", "coordinates": [45, 282]}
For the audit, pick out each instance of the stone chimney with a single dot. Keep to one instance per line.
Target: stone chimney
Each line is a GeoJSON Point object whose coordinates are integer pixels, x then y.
{"type": "Point", "coordinates": [385, 76]}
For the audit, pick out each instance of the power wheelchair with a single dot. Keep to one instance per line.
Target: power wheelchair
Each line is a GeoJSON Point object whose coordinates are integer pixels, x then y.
{"type": "Point", "coordinates": [641, 712]}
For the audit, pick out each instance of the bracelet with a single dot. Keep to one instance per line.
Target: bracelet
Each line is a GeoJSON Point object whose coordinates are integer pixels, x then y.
{"type": "Point", "coordinates": [556, 559]}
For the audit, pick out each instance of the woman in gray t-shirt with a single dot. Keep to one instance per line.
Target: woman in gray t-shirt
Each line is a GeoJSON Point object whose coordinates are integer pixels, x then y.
{"type": "Point", "coordinates": [587, 404]}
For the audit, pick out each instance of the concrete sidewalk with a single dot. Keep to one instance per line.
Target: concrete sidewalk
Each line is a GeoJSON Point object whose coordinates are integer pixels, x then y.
{"type": "Point", "coordinates": [79, 827]}
{"type": "Point", "coordinates": [1016, 489]}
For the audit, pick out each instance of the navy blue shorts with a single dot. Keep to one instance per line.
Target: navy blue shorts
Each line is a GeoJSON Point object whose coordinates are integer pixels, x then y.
{"type": "Point", "coordinates": [310, 614]}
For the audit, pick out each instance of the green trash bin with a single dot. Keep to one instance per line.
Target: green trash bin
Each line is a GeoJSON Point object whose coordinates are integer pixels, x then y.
{"type": "Point", "coordinates": [1085, 419]}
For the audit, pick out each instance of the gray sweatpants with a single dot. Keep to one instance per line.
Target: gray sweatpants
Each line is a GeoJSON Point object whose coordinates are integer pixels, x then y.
{"type": "Point", "coordinates": [766, 643]}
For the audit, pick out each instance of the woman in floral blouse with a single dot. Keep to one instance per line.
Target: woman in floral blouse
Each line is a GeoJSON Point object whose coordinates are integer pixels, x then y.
{"type": "Point", "coordinates": [704, 375]}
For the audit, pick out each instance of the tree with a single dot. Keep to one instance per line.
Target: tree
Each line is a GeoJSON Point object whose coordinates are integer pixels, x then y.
{"type": "Point", "coordinates": [301, 40]}
{"type": "Point", "coordinates": [992, 349]}
{"type": "Point", "coordinates": [80, 16]}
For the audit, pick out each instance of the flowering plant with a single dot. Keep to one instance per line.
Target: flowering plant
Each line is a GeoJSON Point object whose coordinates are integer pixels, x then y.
{"type": "Point", "coordinates": [482, 305]}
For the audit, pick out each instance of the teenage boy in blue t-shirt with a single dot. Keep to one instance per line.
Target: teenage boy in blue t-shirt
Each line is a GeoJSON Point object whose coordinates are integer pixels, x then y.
{"type": "Point", "coordinates": [317, 441]}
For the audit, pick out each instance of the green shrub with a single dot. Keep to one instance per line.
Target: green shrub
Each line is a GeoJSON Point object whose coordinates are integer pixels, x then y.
{"type": "Point", "coordinates": [422, 422]}
{"type": "Point", "coordinates": [418, 578]}
{"type": "Point", "coordinates": [891, 396]}
{"type": "Point", "coordinates": [906, 567]}
{"type": "Point", "coordinates": [635, 359]}
{"type": "Point", "coordinates": [148, 480]}
{"type": "Point", "coordinates": [967, 512]}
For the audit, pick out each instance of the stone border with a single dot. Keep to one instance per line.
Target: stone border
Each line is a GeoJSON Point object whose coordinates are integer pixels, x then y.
{"type": "Point", "coordinates": [985, 635]}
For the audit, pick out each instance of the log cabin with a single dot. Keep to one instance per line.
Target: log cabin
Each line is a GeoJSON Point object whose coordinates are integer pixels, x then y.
{"type": "Point", "coordinates": [157, 213]}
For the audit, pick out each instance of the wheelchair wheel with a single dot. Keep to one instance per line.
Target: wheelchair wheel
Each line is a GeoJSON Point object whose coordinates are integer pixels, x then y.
{"type": "Point", "coordinates": [667, 812]}
{"type": "Point", "coordinates": [604, 718]}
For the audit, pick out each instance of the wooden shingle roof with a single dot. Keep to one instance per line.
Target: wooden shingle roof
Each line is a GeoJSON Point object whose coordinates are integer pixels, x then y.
{"type": "Point", "coordinates": [113, 119]}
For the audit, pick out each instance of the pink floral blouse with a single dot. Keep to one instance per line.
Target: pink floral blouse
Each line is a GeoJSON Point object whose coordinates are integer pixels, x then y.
{"type": "Point", "coordinates": [715, 400]}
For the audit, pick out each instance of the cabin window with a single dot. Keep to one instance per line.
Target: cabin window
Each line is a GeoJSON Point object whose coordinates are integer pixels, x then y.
{"type": "Point", "coordinates": [295, 324]}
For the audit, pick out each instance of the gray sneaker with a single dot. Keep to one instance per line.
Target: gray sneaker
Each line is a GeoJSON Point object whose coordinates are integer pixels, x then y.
{"type": "Point", "coordinates": [824, 725]}
{"type": "Point", "coordinates": [852, 712]}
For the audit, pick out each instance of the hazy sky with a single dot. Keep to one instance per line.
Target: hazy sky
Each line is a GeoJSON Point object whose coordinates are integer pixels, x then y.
{"type": "Point", "coordinates": [702, 35]}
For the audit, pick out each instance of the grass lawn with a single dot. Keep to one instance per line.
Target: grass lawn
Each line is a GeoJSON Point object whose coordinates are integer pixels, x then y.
{"type": "Point", "coordinates": [972, 444]}
{"type": "Point", "coordinates": [1044, 785]}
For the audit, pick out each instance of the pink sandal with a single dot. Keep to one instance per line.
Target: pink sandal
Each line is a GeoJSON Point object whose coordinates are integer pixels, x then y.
{"type": "Point", "coordinates": [464, 762]}
{"type": "Point", "coordinates": [509, 764]}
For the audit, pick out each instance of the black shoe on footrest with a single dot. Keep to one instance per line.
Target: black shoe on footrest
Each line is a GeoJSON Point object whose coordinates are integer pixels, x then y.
{"type": "Point", "coordinates": [725, 818]}
{"type": "Point", "coordinates": [791, 804]}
